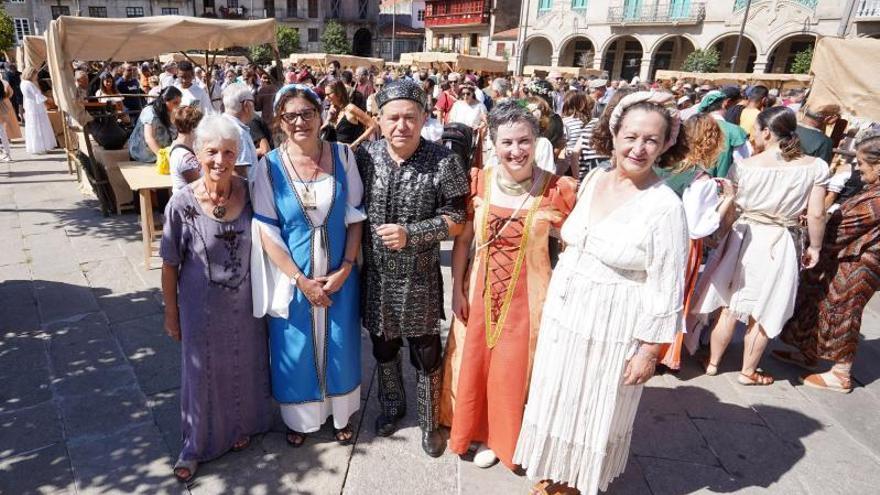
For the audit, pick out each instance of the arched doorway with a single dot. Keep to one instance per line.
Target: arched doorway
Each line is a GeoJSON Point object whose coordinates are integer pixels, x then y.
{"type": "Point", "coordinates": [538, 51]}
{"type": "Point", "coordinates": [745, 61]}
{"type": "Point", "coordinates": [670, 54]}
{"type": "Point", "coordinates": [782, 57]}
{"type": "Point", "coordinates": [362, 43]}
{"type": "Point", "coordinates": [577, 52]}
{"type": "Point", "coordinates": [623, 58]}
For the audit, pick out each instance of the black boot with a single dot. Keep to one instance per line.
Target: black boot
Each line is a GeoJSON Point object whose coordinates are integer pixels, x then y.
{"type": "Point", "coordinates": [429, 412]}
{"type": "Point", "coordinates": [392, 399]}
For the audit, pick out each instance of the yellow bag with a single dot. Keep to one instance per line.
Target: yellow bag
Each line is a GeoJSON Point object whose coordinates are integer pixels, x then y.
{"type": "Point", "coordinates": [163, 161]}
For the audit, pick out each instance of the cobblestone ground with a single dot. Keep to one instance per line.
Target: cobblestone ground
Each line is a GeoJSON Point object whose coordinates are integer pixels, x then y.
{"type": "Point", "coordinates": [89, 391]}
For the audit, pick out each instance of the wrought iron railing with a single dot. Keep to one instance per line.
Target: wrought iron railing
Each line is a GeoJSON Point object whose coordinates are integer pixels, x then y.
{"type": "Point", "coordinates": [868, 8]}
{"type": "Point", "coordinates": [657, 13]}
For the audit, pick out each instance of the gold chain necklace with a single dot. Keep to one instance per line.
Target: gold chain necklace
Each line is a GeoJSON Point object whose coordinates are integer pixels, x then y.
{"type": "Point", "coordinates": [493, 333]}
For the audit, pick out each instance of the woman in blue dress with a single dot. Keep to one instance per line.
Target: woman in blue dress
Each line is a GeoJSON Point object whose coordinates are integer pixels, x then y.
{"type": "Point", "coordinates": [307, 232]}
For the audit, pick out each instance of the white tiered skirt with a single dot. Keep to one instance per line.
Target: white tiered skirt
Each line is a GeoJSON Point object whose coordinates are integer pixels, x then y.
{"type": "Point", "coordinates": [579, 416]}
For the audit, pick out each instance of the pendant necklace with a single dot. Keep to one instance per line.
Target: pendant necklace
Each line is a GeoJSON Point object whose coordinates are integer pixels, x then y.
{"type": "Point", "coordinates": [219, 210]}
{"type": "Point", "coordinates": [308, 197]}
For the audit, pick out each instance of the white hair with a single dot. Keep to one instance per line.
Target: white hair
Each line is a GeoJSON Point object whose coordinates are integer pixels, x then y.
{"type": "Point", "coordinates": [215, 127]}
{"type": "Point", "coordinates": [234, 96]}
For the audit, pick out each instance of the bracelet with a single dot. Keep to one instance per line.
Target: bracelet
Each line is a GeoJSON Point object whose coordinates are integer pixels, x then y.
{"type": "Point", "coordinates": [296, 277]}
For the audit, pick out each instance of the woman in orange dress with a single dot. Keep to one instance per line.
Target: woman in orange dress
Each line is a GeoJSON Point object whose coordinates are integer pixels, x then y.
{"type": "Point", "coordinates": [7, 113]}
{"type": "Point", "coordinates": [512, 208]}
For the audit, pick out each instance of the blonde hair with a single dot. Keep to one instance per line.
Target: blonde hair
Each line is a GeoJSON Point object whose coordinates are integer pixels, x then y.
{"type": "Point", "coordinates": [706, 142]}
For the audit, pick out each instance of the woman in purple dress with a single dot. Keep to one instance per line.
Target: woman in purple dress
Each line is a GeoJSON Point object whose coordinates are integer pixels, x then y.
{"type": "Point", "coordinates": [206, 283]}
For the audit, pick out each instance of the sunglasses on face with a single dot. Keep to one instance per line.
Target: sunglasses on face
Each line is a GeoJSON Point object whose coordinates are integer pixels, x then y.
{"type": "Point", "coordinates": [305, 115]}
{"type": "Point", "coordinates": [466, 93]}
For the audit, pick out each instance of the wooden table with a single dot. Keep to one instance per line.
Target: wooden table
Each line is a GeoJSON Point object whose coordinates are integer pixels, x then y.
{"type": "Point", "coordinates": [143, 178]}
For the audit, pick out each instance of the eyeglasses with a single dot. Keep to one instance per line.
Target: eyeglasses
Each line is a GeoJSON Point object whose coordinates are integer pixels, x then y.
{"type": "Point", "coordinates": [305, 115]}
{"type": "Point", "coordinates": [466, 93]}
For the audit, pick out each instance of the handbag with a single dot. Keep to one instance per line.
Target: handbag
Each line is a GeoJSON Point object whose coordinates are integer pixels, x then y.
{"type": "Point", "coordinates": [107, 132]}
{"type": "Point", "coordinates": [163, 161]}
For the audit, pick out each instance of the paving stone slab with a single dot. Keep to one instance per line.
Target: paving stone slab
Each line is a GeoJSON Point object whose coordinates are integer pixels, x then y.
{"type": "Point", "coordinates": [18, 307]}
{"type": "Point", "coordinates": [670, 477]}
{"type": "Point", "coordinates": [64, 299]}
{"type": "Point", "coordinates": [114, 274]}
{"type": "Point", "coordinates": [127, 306]}
{"type": "Point", "coordinates": [12, 247]}
{"type": "Point", "coordinates": [28, 429]}
{"type": "Point", "coordinates": [130, 461]}
{"type": "Point", "coordinates": [20, 352]}
{"type": "Point", "coordinates": [45, 471]}
{"type": "Point", "coordinates": [24, 388]}
{"type": "Point", "coordinates": [154, 356]}
{"type": "Point", "coordinates": [50, 252]}
{"type": "Point", "coordinates": [165, 407]}
{"type": "Point", "coordinates": [670, 436]}
{"type": "Point", "coordinates": [99, 414]}
{"type": "Point", "coordinates": [15, 273]}
{"type": "Point", "coordinates": [85, 347]}
{"type": "Point", "coordinates": [496, 479]}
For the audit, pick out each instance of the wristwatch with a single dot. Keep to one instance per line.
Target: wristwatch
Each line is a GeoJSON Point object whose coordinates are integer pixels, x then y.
{"type": "Point", "coordinates": [296, 277]}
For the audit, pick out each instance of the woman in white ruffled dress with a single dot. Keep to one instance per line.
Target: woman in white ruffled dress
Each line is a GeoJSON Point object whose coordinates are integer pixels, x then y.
{"type": "Point", "coordinates": [38, 134]}
{"type": "Point", "coordinates": [614, 297]}
{"type": "Point", "coordinates": [753, 276]}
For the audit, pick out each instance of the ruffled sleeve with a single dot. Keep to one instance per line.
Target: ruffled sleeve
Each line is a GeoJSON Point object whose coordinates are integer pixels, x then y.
{"type": "Point", "coordinates": [354, 211]}
{"type": "Point", "coordinates": [662, 297]}
{"type": "Point", "coordinates": [271, 289]}
{"type": "Point", "coordinates": [544, 155]}
{"type": "Point", "coordinates": [563, 195]}
{"type": "Point", "coordinates": [700, 201]}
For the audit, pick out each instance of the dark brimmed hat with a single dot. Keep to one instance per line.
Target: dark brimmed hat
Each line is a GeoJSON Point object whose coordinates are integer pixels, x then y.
{"type": "Point", "coordinates": [401, 89]}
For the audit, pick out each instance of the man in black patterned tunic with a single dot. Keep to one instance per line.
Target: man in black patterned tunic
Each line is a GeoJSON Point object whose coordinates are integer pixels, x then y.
{"type": "Point", "coordinates": [414, 195]}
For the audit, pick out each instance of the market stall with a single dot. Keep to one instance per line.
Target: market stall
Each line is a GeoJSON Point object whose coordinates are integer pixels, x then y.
{"type": "Point", "coordinates": [33, 52]}
{"type": "Point", "coordinates": [324, 59]}
{"type": "Point", "coordinates": [454, 62]}
{"type": "Point", "coordinates": [844, 73]}
{"type": "Point", "coordinates": [530, 70]}
{"type": "Point", "coordinates": [778, 81]}
{"type": "Point", "coordinates": [199, 58]}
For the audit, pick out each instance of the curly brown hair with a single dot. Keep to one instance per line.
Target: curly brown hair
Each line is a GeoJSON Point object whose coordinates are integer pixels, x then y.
{"type": "Point", "coordinates": [603, 136]}
{"type": "Point", "coordinates": [544, 107]}
{"type": "Point", "coordinates": [706, 140]}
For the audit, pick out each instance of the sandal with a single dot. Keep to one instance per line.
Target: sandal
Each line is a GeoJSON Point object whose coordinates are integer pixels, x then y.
{"type": "Point", "coordinates": [540, 488]}
{"type": "Point", "coordinates": [796, 358]}
{"type": "Point", "coordinates": [185, 471]}
{"type": "Point", "coordinates": [295, 439]}
{"type": "Point", "coordinates": [241, 444]}
{"type": "Point", "coordinates": [709, 368]}
{"type": "Point", "coordinates": [758, 378]}
{"type": "Point", "coordinates": [344, 436]}
{"type": "Point", "coordinates": [826, 381]}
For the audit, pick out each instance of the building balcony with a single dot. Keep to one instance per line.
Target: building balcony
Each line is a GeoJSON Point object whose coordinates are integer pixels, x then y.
{"type": "Point", "coordinates": [457, 19]}
{"type": "Point", "coordinates": [233, 12]}
{"type": "Point", "coordinates": [456, 13]}
{"type": "Point", "coordinates": [868, 10]}
{"type": "Point", "coordinates": [657, 14]}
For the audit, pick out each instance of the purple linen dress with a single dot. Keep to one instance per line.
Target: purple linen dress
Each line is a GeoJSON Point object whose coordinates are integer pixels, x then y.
{"type": "Point", "coordinates": [224, 393]}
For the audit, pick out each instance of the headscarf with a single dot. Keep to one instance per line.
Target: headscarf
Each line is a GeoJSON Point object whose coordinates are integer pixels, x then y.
{"type": "Point", "coordinates": [287, 88]}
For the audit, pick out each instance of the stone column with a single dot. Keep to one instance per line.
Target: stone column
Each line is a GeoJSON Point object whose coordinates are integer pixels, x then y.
{"type": "Point", "coordinates": [761, 64]}
{"type": "Point", "coordinates": [645, 68]}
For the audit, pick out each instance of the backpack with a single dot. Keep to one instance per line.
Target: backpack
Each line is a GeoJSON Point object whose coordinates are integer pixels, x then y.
{"type": "Point", "coordinates": [459, 138]}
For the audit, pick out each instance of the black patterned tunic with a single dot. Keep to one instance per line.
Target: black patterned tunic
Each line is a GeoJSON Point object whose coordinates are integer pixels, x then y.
{"type": "Point", "coordinates": [402, 293]}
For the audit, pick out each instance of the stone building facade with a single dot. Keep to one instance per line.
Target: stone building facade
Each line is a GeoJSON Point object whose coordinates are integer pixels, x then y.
{"type": "Point", "coordinates": [630, 38]}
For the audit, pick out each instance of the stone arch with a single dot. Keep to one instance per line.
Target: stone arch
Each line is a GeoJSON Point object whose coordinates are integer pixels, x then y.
{"type": "Point", "coordinates": [622, 57]}
{"type": "Point", "coordinates": [538, 50]}
{"type": "Point", "coordinates": [726, 44]}
{"type": "Point", "coordinates": [575, 51]}
{"type": "Point", "coordinates": [667, 37]}
{"type": "Point", "coordinates": [782, 52]}
{"type": "Point", "coordinates": [669, 53]}
{"type": "Point", "coordinates": [362, 43]}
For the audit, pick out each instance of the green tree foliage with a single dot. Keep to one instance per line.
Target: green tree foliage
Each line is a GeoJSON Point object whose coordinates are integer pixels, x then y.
{"type": "Point", "coordinates": [702, 61]}
{"type": "Point", "coordinates": [802, 62]}
{"type": "Point", "coordinates": [288, 41]}
{"type": "Point", "coordinates": [334, 39]}
{"type": "Point", "coordinates": [7, 30]}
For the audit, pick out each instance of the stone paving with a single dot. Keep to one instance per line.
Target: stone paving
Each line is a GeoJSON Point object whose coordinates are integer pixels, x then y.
{"type": "Point", "coordinates": [89, 391]}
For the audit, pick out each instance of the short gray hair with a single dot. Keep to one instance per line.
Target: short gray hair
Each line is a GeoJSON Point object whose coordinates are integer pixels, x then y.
{"type": "Point", "coordinates": [501, 86]}
{"type": "Point", "coordinates": [234, 96]}
{"type": "Point", "coordinates": [213, 127]}
{"type": "Point", "coordinates": [509, 113]}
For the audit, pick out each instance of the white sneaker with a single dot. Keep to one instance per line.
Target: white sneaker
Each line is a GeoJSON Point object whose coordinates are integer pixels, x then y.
{"type": "Point", "coordinates": [485, 458]}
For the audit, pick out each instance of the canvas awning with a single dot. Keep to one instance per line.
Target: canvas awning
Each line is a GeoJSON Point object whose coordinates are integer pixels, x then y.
{"type": "Point", "coordinates": [845, 73]}
{"type": "Point", "coordinates": [781, 81]}
{"type": "Point", "coordinates": [324, 59]}
{"type": "Point", "coordinates": [200, 58]}
{"type": "Point", "coordinates": [530, 70]}
{"type": "Point", "coordinates": [454, 62]}
{"type": "Point", "coordinates": [96, 39]}
{"type": "Point", "coordinates": [33, 52]}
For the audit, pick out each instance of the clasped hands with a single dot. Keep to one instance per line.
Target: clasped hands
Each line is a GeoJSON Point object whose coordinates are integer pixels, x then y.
{"type": "Point", "coordinates": [319, 289]}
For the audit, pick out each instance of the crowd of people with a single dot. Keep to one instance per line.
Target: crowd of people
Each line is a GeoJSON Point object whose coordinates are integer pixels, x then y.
{"type": "Point", "coordinates": [600, 229]}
